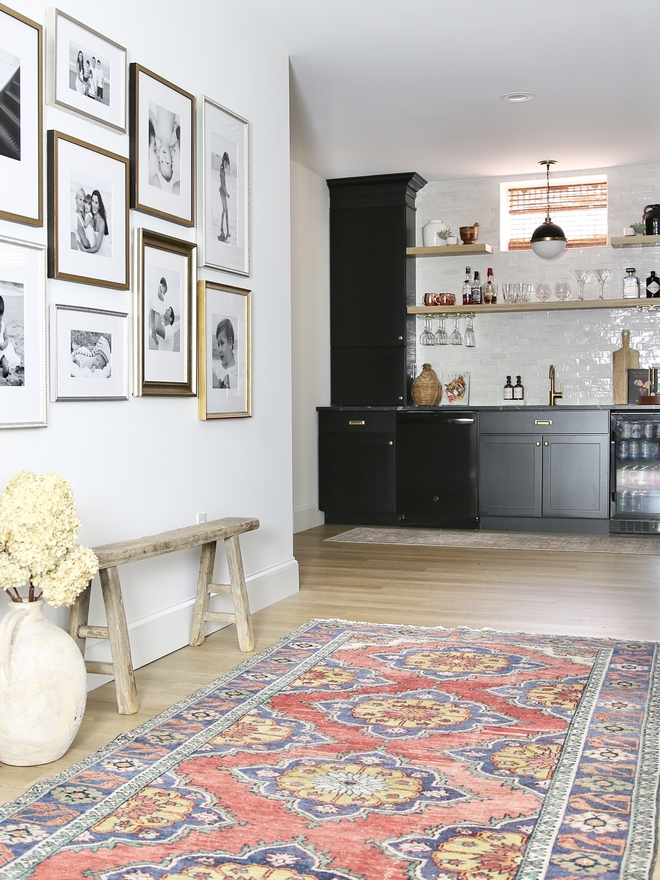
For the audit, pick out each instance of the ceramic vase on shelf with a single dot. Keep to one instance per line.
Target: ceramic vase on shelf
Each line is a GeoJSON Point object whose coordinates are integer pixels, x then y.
{"type": "Point", "coordinates": [430, 233]}
{"type": "Point", "coordinates": [43, 687]}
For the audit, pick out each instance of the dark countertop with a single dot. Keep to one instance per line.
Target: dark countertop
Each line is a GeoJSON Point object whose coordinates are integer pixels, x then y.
{"type": "Point", "coordinates": [503, 408]}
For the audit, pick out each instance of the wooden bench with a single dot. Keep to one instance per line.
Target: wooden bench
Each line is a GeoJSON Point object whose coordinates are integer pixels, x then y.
{"type": "Point", "coordinates": [111, 556]}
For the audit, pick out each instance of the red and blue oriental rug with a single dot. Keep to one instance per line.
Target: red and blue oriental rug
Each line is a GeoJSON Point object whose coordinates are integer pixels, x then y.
{"type": "Point", "coordinates": [354, 751]}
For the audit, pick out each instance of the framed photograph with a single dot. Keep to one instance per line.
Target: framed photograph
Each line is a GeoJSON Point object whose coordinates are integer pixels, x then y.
{"type": "Point", "coordinates": [224, 351]}
{"type": "Point", "coordinates": [164, 315]}
{"type": "Point", "coordinates": [640, 384]}
{"type": "Point", "coordinates": [86, 71]}
{"type": "Point", "coordinates": [23, 342]}
{"type": "Point", "coordinates": [21, 152]}
{"type": "Point", "coordinates": [90, 354]}
{"type": "Point", "coordinates": [162, 138]}
{"type": "Point", "coordinates": [224, 200]}
{"type": "Point", "coordinates": [455, 389]}
{"type": "Point", "coordinates": [87, 213]}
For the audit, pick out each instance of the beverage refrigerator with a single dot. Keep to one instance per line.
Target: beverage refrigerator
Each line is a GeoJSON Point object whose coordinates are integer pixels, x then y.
{"type": "Point", "coordinates": [635, 473]}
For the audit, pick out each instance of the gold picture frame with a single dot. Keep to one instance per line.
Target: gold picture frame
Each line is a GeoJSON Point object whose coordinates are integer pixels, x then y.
{"type": "Point", "coordinates": [224, 350]}
{"type": "Point", "coordinates": [88, 227]}
{"type": "Point", "coordinates": [21, 144]}
{"type": "Point", "coordinates": [164, 311]}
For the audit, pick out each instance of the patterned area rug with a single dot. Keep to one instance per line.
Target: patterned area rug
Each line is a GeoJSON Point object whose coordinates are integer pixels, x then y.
{"type": "Point", "coordinates": [370, 752]}
{"type": "Point", "coordinates": [645, 545]}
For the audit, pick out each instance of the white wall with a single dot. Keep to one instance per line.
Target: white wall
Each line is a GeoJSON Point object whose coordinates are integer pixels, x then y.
{"type": "Point", "coordinates": [310, 295]}
{"type": "Point", "coordinates": [578, 343]}
{"type": "Point", "coordinates": [148, 464]}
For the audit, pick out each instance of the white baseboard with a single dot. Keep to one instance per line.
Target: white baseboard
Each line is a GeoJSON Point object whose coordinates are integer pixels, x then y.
{"type": "Point", "coordinates": [307, 518]}
{"type": "Point", "coordinates": [168, 630]}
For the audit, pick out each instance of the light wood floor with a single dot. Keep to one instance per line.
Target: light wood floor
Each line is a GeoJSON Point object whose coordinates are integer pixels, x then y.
{"type": "Point", "coordinates": [595, 594]}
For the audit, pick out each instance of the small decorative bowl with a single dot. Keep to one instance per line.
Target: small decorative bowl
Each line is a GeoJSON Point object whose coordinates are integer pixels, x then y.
{"type": "Point", "coordinates": [469, 234]}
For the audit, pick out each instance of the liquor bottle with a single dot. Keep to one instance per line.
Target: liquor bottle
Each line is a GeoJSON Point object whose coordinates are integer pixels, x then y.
{"type": "Point", "coordinates": [508, 389]}
{"type": "Point", "coordinates": [475, 290]}
{"type": "Point", "coordinates": [465, 289]}
{"type": "Point", "coordinates": [630, 285]}
{"type": "Point", "coordinates": [489, 290]}
{"type": "Point", "coordinates": [518, 390]}
{"type": "Point", "coordinates": [652, 286]}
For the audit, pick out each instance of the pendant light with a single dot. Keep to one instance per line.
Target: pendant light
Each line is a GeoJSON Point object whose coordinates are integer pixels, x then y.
{"type": "Point", "coordinates": [548, 239]}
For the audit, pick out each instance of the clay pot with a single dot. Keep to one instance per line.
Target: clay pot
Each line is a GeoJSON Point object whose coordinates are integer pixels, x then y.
{"type": "Point", "coordinates": [469, 234]}
{"type": "Point", "coordinates": [426, 389]}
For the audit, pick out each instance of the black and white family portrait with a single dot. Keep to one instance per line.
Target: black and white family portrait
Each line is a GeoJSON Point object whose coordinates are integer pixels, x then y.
{"type": "Point", "coordinates": [164, 310]}
{"type": "Point", "coordinates": [224, 357]}
{"type": "Point", "coordinates": [89, 74]}
{"type": "Point", "coordinates": [12, 333]}
{"type": "Point", "coordinates": [164, 149]}
{"type": "Point", "coordinates": [10, 105]}
{"type": "Point", "coordinates": [90, 210]}
{"type": "Point", "coordinates": [224, 200]}
{"type": "Point", "coordinates": [91, 355]}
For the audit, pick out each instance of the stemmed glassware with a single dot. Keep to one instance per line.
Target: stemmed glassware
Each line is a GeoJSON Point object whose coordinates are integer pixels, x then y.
{"type": "Point", "coordinates": [543, 292]}
{"type": "Point", "coordinates": [470, 341]}
{"type": "Point", "coordinates": [427, 337]}
{"type": "Point", "coordinates": [563, 290]}
{"type": "Point", "coordinates": [456, 338]}
{"type": "Point", "coordinates": [581, 276]}
{"type": "Point", "coordinates": [441, 337]}
{"type": "Point", "coordinates": [602, 277]}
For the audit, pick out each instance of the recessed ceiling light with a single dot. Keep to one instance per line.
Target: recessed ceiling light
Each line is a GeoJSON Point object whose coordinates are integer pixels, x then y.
{"type": "Point", "coordinates": [517, 97]}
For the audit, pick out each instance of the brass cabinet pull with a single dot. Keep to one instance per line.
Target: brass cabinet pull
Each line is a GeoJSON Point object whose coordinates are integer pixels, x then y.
{"type": "Point", "coordinates": [390, 442]}
{"type": "Point", "coordinates": [542, 421]}
{"type": "Point", "coordinates": [400, 338]}
{"type": "Point", "coordinates": [545, 443]}
{"type": "Point", "coordinates": [355, 423]}
{"type": "Point", "coordinates": [538, 442]}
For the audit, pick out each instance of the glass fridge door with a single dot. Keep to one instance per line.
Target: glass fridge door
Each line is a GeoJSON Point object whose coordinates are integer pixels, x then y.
{"type": "Point", "coordinates": [637, 464]}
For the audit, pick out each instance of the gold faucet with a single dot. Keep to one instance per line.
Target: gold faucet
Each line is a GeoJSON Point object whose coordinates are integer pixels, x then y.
{"type": "Point", "coordinates": [554, 394]}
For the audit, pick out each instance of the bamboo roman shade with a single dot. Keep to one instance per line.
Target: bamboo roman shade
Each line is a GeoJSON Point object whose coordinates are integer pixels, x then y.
{"type": "Point", "coordinates": [579, 208]}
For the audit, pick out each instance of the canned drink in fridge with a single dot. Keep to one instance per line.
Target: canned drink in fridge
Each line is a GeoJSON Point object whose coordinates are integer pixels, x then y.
{"type": "Point", "coordinates": [647, 448]}
{"type": "Point", "coordinates": [636, 430]}
{"type": "Point", "coordinates": [623, 430]}
{"type": "Point", "coordinates": [633, 449]}
{"type": "Point", "coordinates": [623, 449]}
{"type": "Point", "coordinates": [649, 430]}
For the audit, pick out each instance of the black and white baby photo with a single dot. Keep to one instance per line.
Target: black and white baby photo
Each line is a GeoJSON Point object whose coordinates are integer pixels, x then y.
{"type": "Point", "coordinates": [91, 354]}
{"type": "Point", "coordinates": [164, 149]}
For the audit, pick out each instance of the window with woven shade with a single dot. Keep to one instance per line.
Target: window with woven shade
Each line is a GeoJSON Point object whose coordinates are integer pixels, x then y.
{"type": "Point", "coordinates": [578, 206]}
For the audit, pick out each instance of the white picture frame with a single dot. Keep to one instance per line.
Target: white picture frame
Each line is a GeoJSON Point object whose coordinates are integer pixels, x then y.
{"type": "Point", "coordinates": [72, 49]}
{"type": "Point", "coordinates": [23, 335]}
{"type": "Point", "coordinates": [90, 354]}
{"type": "Point", "coordinates": [224, 196]}
{"type": "Point", "coordinates": [21, 149]}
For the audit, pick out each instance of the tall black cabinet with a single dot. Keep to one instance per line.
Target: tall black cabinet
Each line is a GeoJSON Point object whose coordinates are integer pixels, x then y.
{"type": "Point", "coordinates": [372, 221]}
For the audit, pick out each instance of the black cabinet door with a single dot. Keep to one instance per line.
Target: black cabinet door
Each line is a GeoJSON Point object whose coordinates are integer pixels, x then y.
{"type": "Point", "coordinates": [576, 475]}
{"type": "Point", "coordinates": [376, 375]}
{"type": "Point", "coordinates": [357, 472]}
{"type": "Point", "coordinates": [510, 475]}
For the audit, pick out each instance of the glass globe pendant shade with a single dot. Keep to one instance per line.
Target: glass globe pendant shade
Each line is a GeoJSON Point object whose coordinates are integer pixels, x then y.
{"type": "Point", "coordinates": [548, 239]}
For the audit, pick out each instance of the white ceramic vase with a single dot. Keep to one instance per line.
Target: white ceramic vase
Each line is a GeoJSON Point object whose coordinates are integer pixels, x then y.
{"type": "Point", "coordinates": [43, 687]}
{"type": "Point", "coordinates": [430, 230]}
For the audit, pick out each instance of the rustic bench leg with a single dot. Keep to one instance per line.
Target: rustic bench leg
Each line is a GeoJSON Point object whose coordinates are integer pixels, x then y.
{"type": "Point", "coordinates": [79, 615]}
{"type": "Point", "coordinates": [127, 698]}
{"type": "Point", "coordinates": [202, 597]}
{"type": "Point", "coordinates": [239, 594]}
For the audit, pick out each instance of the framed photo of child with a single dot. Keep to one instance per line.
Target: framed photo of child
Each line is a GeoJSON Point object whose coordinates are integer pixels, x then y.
{"type": "Point", "coordinates": [162, 137]}
{"type": "Point", "coordinates": [164, 315]}
{"type": "Point", "coordinates": [87, 213]}
{"type": "Point", "coordinates": [21, 151]}
{"type": "Point", "coordinates": [224, 203]}
{"type": "Point", "coordinates": [224, 351]}
{"type": "Point", "coordinates": [86, 72]}
{"type": "Point", "coordinates": [23, 340]}
{"type": "Point", "coordinates": [90, 354]}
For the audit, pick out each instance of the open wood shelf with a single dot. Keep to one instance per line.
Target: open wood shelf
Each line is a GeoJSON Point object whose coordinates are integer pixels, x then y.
{"type": "Point", "coordinates": [450, 250]}
{"type": "Point", "coordinates": [550, 306]}
{"type": "Point", "coordinates": [626, 241]}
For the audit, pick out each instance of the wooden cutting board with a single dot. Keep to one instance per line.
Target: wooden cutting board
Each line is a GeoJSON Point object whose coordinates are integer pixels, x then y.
{"type": "Point", "coordinates": [623, 359]}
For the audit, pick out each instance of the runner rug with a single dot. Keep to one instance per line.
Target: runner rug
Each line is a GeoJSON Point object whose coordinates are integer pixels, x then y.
{"type": "Point", "coordinates": [478, 540]}
{"type": "Point", "coordinates": [349, 751]}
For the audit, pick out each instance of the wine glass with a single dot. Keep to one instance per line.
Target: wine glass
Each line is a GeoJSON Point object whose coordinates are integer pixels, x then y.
{"type": "Point", "coordinates": [470, 341]}
{"type": "Point", "coordinates": [441, 337]}
{"type": "Point", "coordinates": [581, 276]}
{"type": "Point", "coordinates": [563, 290]}
{"type": "Point", "coordinates": [602, 277]}
{"type": "Point", "coordinates": [427, 337]}
{"type": "Point", "coordinates": [543, 292]}
{"type": "Point", "coordinates": [456, 338]}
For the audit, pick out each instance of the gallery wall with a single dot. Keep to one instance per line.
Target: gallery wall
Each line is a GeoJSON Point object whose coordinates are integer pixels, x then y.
{"type": "Point", "coordinates": [145, 465]}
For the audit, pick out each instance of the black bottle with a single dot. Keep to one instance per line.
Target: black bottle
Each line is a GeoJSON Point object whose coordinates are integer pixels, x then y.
{"type": "Point", "coordinates": [653, 286]}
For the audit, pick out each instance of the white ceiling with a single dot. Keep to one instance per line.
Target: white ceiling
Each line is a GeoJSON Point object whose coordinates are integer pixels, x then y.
{"type": "Point", "coordinates": [414, 85]}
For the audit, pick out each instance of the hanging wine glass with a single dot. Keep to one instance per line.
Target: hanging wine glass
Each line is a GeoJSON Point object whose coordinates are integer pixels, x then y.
{"type": "Point", "coordinates": [456, 338]}
{"type": "Point", "coordinates": [441, 337]}
{"type": "Point", "coordinates": [581, 276]}
{"type": "Point", "coordinates": [602, 277]}
{"type": "Point", "coordinates": [427, 337]}
{"type": "Point", "coordinates": [470, 341]}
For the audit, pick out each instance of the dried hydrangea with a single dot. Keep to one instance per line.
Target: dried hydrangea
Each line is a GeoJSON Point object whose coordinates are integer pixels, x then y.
{"type": "Point", "coordinates": [38, 538]}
